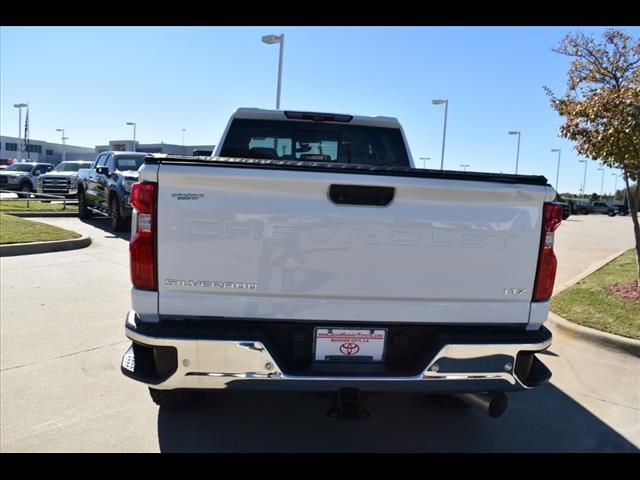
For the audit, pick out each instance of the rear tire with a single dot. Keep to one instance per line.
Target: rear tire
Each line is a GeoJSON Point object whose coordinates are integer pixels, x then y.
{"type": "Point", "coordinates": [174, 399]}
{"type": "Point", "coordinates": [118, 223]}
{"type": "Point", "coordinates": [83, 211]}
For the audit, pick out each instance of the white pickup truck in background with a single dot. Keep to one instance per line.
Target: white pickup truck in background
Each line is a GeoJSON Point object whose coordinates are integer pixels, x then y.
{"type": "Point", "coordinates": [309, 254]}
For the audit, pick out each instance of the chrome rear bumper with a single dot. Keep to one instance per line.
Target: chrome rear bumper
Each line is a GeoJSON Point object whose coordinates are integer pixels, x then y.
{"type": "Point", "coordinates": [210, 364]}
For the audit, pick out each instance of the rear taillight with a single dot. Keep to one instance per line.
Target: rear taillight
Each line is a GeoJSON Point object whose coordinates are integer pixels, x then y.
{"type": "Point", "coordinates": [547, 263]}
{"type": "Point", "coordinates": [142, 249]}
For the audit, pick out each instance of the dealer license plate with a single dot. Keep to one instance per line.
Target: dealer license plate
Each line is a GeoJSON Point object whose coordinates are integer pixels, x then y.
{"type": "Point", "coordinates": [350, 344]}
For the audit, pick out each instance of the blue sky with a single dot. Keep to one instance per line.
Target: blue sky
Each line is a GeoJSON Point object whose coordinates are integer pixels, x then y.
{"type": "Point", "coordinates": [92, 80]}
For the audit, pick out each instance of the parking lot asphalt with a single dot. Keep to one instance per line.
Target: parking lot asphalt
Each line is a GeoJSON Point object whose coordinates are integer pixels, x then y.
{"type": "Point", "coordinates": [583, 241]}
{"type": "Point", "coordinates": [61, 390]}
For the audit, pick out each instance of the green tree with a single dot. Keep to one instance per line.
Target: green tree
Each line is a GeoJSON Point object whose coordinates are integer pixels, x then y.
{"type": "Point", "coordinates": [601, 107]}
{"type": "Point", "coordinates": [621, 195]}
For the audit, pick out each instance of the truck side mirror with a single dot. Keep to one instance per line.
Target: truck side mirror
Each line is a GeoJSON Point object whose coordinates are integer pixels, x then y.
{"type": "Point", "coordinates": [102, 170]}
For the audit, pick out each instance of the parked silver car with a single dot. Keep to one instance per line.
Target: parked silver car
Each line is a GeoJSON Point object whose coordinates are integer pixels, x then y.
{"type": "Point", "coordinates": [63, 180]}
{"type": "Point", "coordinates": [23, 177]}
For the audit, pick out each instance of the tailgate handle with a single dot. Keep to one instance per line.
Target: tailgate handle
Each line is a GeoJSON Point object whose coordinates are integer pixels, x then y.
{"type": "Point", "coordinates": [361, 195]}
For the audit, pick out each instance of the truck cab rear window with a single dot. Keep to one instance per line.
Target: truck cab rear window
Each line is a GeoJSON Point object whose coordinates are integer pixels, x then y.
{"type": "Point", "coordinates": [126, 163]}
{"type": "Point", "coordinates": [315, 142]}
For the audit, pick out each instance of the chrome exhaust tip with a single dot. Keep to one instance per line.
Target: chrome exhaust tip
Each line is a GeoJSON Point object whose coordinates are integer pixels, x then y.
{"type": "Point", "coordinates": [493, 404]}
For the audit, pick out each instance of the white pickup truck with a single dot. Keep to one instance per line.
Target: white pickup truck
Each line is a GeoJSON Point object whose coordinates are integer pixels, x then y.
{"type": "Point", "coordinates": [307, 253]}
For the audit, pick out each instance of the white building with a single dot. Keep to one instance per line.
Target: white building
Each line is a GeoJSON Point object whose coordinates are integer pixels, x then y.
{"type": "Point", "coordinates": [168, 148]}
{"type": "Point", "coordinates": [40, 151]}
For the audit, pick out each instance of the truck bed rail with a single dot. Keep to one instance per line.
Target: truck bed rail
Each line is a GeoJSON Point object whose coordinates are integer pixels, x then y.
{"type": "Point", "coordinates": [347, 168]}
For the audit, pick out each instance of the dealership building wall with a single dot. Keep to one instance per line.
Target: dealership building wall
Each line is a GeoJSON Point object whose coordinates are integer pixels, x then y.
{"type": "Point", "coordinates": [40, 151]}
{"type": "Point", "coordinates": [168, 148]}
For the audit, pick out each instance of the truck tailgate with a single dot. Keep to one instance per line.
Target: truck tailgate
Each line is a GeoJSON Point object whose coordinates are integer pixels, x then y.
{"type": "Point", "coordinates": [270, 244]}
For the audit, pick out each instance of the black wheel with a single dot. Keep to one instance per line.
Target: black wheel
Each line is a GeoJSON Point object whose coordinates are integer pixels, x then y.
{"type": "Point", "coordinates": [25, 190]}
{"type": "Point", "coordinates": [83, 211]}
{"type": "Point", "coordinates": [175, 399]}
{"type": "Point", "coordinates": [118, 223]}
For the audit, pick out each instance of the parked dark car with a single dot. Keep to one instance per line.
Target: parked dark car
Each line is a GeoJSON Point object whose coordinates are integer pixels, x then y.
{"type": "Point", "coordinates": [104, 188]}
{"type": "Point", "coordinates": [583, 207]}
{"type": "Point", "coordinates": [605, 208]}
{"type": "Point", "coordinates": [623, 209]}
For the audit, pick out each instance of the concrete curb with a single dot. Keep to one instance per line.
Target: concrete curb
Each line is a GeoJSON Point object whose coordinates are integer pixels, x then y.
{"type": "Point", "coordinates": [14, 249]}
{"type": "Point", "coordinates": [41, 214]}
{"type": "Point", "coordinates": [602, 339]}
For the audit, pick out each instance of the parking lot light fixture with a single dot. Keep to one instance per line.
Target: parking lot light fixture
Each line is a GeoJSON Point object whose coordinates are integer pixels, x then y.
{"type": "Point", "coordinates": [439, 101]}
{"type": "Point", "coordinates": [584, 182]}
{"type": "Point", "coordinates": [64, 149]}
{"type": "Point", "coordinates": [134, 134]}
{"type": "Point", "coordinates": [424, 161]}
{"type": "Point", "coordinates": [518, 149]}
{"type": "Point", "coordinates": [464, 166]}
{"type": "Point", "coordinates": [19, 106]}
{"type": "Point", "coordinates": [602, 182]}
{"type": "Point", "coordinates": [271, 40]}
{"type": "Point", "coordinates": [558, 171]}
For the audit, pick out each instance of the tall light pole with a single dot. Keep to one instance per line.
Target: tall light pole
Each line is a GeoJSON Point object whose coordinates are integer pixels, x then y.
{"type": "Point", "coordinates": [584, 182]}
{"type": "Point", "coordinates": [464, 166]}
{"type": "Point", "coordinates": [134, 134]}
{"type": "Point", "coordinates": [64, 149]}
{"type": "Point", "coordinates": [518, 150]}
{"type": "Point", "coordinates": [602, 182]}
{"type": "Point", "coordinates": [615, 185]}
{"type": "Point", "coordinates": [438, 101]}
{"type": "Point", "coordinates": [19, 106]}
{"type": "Point", "coordinates": [270, 40]}
{"type": "Point", "coordinates": [558, 171]}
{"type": "Point", "coordinates": [183, 130]}
{"type": "Point", "coordinates": [424, 161]}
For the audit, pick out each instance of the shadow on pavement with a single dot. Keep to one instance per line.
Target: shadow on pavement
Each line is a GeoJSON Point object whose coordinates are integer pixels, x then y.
{"type": "Point", "coordinates": [103, 224]}
{"type": "Point", "coordinates": [541, 420]}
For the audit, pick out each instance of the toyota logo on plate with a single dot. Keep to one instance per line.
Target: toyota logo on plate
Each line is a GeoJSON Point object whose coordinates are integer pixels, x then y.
{"type": "Point", "coordinates": [349, 348]}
